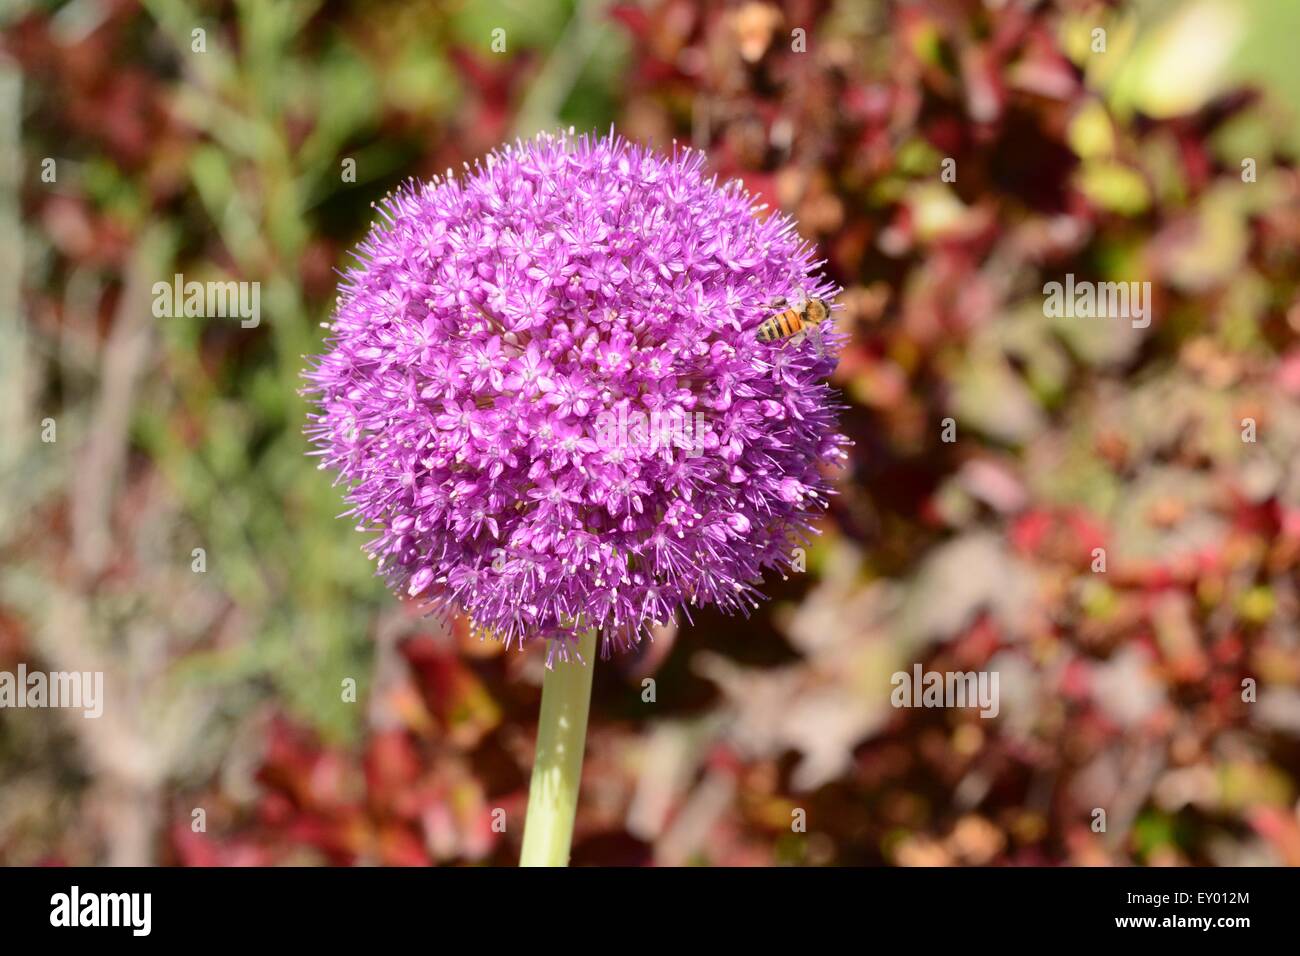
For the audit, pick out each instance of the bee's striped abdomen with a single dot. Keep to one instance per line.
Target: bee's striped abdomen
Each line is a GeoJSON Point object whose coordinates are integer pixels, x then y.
{"type": "Point", "coordinates": [782, 325]}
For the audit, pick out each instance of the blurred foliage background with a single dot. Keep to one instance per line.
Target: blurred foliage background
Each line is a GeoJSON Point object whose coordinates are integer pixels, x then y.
{"type": "Point", "coordinates": [1121, 689]}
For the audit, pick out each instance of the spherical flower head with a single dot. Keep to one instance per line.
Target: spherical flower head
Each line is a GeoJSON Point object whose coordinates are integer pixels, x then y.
{"type": "Point", "coordinates": [544, 387]}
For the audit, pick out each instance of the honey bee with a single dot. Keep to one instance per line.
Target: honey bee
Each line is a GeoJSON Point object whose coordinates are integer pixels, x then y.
{"type": "Point", "coordinates": [801, 316]}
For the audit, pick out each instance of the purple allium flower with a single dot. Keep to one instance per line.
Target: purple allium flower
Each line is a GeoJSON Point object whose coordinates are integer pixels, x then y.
{"type": "Point", "coordinates": [501, 327]}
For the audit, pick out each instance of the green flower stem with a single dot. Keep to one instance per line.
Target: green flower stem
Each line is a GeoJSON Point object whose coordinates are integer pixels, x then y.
{"type": "Point", "coordinates": [557, 768]}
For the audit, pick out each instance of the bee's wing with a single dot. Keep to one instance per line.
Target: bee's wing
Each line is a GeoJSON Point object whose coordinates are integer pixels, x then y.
{"type": "Point", "coordinates": [799, 299]}
{"type": "Point", "coordinates": [816, 334]}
